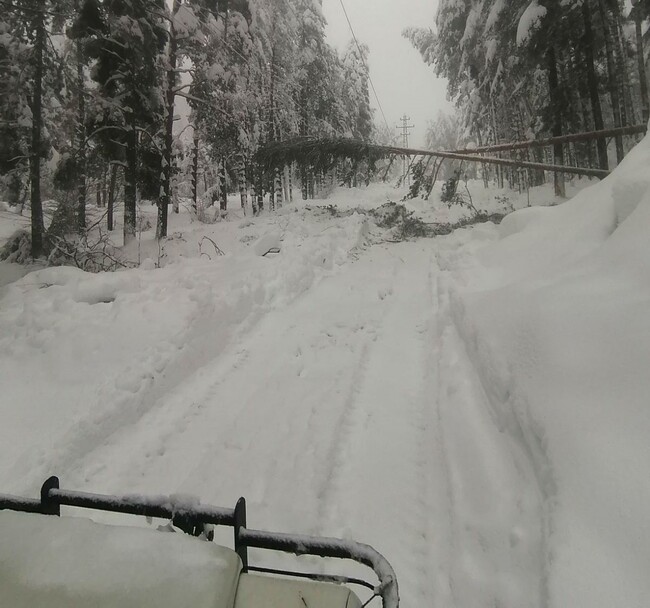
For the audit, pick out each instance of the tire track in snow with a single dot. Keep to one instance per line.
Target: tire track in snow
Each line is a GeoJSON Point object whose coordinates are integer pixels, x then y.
{"type": "Point", "coordinates": [386, 471]}
{"type": "Point", "coordinates": [496, 552]}
{"type": "Point", "coordinates": [359, 315]}
{"type": "Point", "coordinates": [147, 432]}
{"type": "Point", "coordinates": [344, 426]}
{"type": "Point", "coordinates": [288, 376]}
{"type": "Point", "coordinates": [440, 515]}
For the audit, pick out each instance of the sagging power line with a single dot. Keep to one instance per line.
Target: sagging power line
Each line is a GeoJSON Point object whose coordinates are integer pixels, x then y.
{"type": "Point", "coordinates": [365, 65]}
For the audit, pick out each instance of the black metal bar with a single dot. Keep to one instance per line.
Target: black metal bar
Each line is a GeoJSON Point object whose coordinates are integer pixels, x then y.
{"type": "Point", "coordinates": [49, 506]}
{"type": "Point", "coordinates": [239, 523]}
{"type": "Point", "coordinates": [18, 503]}
{"type": "Point", "coordinates": [163, 507]}
{"type": "Point", "coordinates": [325, 578]}
{"type": "Point", "coordinates": [330, 547]}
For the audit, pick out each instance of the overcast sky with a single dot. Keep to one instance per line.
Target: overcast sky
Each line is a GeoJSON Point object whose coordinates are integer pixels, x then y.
{"type": "Point", "coordinates": [404, 83]}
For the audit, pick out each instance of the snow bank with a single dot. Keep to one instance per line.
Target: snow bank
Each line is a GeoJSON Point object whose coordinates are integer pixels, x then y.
{"type": "Point", "coordinates": [83, 356]}
{"type": "Point", "coordinates": [555, 316]}
{"type": "Point", "coordinates": [271, 242]}
{"type": "Point", "coordinates": [71, 562]}
{"type": "Point", "coordinates": [489, 200]}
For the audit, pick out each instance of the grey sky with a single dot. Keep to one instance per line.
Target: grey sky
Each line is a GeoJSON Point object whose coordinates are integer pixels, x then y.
{"type": "Point", "coordinates": [404, 83]}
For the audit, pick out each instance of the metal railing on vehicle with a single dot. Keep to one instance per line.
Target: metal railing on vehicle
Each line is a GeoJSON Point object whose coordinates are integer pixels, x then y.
{"type": "Point", "coordinates": [193, 518]}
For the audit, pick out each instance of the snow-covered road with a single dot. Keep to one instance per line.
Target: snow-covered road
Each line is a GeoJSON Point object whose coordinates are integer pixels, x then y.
{"type": "Point", "coordinates": [352, 411]}
{"type": "Point", "coordinates": [474, 409]}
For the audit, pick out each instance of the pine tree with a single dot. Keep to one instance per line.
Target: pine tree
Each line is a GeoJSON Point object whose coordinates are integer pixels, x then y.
{"type": "Point", "coordinates": [535, 68]}
{"type": "Point", "coordinates": [220, 87]}
{"type": "Point", "coordinates": [30, 65]}
{"type": "Point", "coordinates": [26, 26]}
{"type": "Point", "coordinates": [14, 108]}
{"type": "Point", "coordinates": [356, 95]}
{"type": "Point", "coordinates": [189, 22]}
{"type": "Point", "coordinates": [127, 52]}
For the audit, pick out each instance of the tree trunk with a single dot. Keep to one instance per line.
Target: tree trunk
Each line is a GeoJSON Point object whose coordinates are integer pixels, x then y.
{"type": "Point", "coordinates": [303, 182]}
{"type": "Point", "coordinates": [576, 95]}
{"type": "Point", "coordinates": [498, 169]}
{"type": "Point", "coordinates": [529, 173]}
{"type": "Point", "coordinates": [243, 185]}
{"type": "Point", "coordinates": [111, 196]}
{"type": "Point", "coordinates": [484, 171]}
{"type": "Point", "coordinates": [627, 106]}
{"type": "Point", "coordinates": [223, 188]}
{"type": "Point", "coordinates": [195, 171]}
{"type": "Point", "coordinates": [174, 189]}
{"type": "Point", "coordinates": [14, 188]}
{"type": "Point", "coordinates": [38, 226]}
{"type": "Point", "coordinates": [285, 183]}
{"type": "Point", "coordinates": [556, 105]}
{"type": "Point", "coordinates": [290, 181]}
{"type": "Point", "coordinates": [611, 75]}
{"type": "Point", "coordinates": [272, 128]}
{"type": "Point", "coordinates": [81, 142]}
{"type": "Point", "coordinates": [260, 190]}
{"type": "Point", "coordinates": [592, 82]}
{"type": "Point", "coordinates": [643, 80]}
{"type": "Point", "coordinates": [310, 182]}
{"type": "Point", "coordinates": [270, 186]}
{"type": "Point", "coordinates": [166, 161]}
{"type": "Point", "coordinates": [252, 178]}
{"type": "Point", "coordinates": [278, 188]}
{"type": "Point", "coordinates": [130, 179]}
{"type": "Point", "coordinates": [304, 129]}
{"type": "Point", "coordinates": [104, 187]}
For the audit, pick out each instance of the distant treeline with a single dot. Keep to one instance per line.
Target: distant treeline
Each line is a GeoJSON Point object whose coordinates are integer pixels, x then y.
{"type": "Point", "coordinates": [89, 93]}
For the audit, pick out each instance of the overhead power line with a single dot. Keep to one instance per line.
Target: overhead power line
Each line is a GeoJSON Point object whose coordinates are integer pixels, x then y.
{"type": "Point", "coordinates": [354, 36]}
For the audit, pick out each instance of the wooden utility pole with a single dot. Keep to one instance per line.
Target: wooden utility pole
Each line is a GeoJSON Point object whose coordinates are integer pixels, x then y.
{"type": "Point", "coordinates": [562, 139]}
{"type": "Point", "coordinates": [320, 151]}
{"type": "Point", "coordinates": [405, 128]}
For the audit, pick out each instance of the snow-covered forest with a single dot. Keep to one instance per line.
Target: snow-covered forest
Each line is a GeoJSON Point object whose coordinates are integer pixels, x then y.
{"type": "Point", "coordinates": [522, 69]}
{"type": "Point", "coordinates": [224, 273]}
{"type": "Point", "coordinates": [92, 88]}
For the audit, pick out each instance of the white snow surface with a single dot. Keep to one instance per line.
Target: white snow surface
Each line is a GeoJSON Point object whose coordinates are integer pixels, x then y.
{"type": "Point", "coordinates": [529, 20]}
{"type": "Point", "coordinates": [474, 406]}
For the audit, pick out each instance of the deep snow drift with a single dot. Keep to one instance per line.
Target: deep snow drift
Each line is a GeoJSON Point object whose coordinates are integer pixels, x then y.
{"type": "Point", "coordinates": [474, 406]}
{"type": "Point", "coordinates": [555, 316]}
